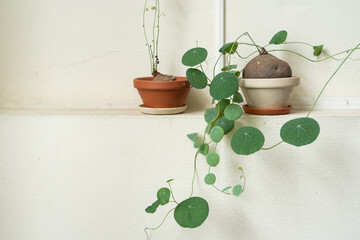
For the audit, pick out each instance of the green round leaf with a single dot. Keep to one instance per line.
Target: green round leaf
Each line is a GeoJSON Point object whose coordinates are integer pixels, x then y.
{"type": "Point", "coordinates": [237, 190]}
{"type": "Point", "coordinates": [224, 85]}
{"type": "Point", "coordinates": [216, 134]}
{"type": "Point", "coordinates": [229, 48]}
{"type": "Point", "coordinates": [194, 56]}
{"type": "Point", "coordinates": [153, 207]}
{"type": "Point", "coordinates": [204, 149]}
{"type": "Point", "coordinates": [300, 131]}
{"type": "Point", "coordinates": [211, 114]}
{"type": "Point", "coordinates": [318, 50]}
{"type": "Point", "coordinates": [163, 195]}
{"type": "Point", "coordinates": [247, 140]}
{"type": "Point", "coordinates": [279, 38]}
{"type": "Point", "coordinates": [213, 159]}
{"type": "Point", "coordinates": [233, 112]}
{"type": "Point", "coordinates": [192, 212]}
{"type": "Point", "coordinates": [196, 78]}
{"type": "Point", "coordinates": [210, 179]}
{"type": "Point", "coordinates": [225, 124]}
{"type": "Point", "coordinates": [223, 104]}
{"type": "Point", "coordinates": [238, 98]}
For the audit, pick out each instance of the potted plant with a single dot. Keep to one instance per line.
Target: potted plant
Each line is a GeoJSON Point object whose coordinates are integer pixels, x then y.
{"type": "Point", "coordinates": [220, 121]}
{"type": "Point", "coordinates": [161, 93]}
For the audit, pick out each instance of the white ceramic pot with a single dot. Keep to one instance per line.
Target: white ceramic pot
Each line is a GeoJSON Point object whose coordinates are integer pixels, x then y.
{"type": "Point", "coordinates": [268, 92]}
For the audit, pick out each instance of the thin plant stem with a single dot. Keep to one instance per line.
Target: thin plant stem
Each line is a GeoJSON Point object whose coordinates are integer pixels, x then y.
{"type": "Point", "coordinates": [272, 146]}
{"type": "Point", "coordinates": [328, 81]}
{"type": "Point", "coordinates": [202, 69]}
{"type": "Point", "coordinates": [158, 33]}
{"type": "Point", "coordinates": [311, 60]}
{"type": "Point", "coordinates": [257, 47]}
{"type": "Point", "coordinates": [162, 222]}
{"type": "Point", "coordinates": [195, 160]}
{"type": "Point", "coordinates": [154, 38]}
{"type": "Point", "coordinates": [146, 39]}
{"type": "Point", "coordinates": [194, 175]}
{"type": "Point", "coordinates": [172, 193]}
{"type": "Point", "coordinates": [216, 63]}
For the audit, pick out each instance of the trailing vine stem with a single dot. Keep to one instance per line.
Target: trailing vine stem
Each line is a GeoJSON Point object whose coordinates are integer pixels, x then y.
{"type": "Point", "coordinates": [195, 170]}
{"type": "Point", "coordinates": [172, 193]}
{"type": "Point", "coordinates": [328, 81]}
{"type": "Point", "coordinates": [162, 222]}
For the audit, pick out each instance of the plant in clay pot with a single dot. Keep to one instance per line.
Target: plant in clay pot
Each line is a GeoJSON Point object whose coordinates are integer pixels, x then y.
{"type": "Point", "coordinates": [221, 119]}
{"type": "Point", "coordinates": [161, 93]}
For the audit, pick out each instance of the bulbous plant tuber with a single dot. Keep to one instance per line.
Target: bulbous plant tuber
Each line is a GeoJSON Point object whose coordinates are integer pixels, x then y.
{"type": "Point", "coordinates": [266, 66]}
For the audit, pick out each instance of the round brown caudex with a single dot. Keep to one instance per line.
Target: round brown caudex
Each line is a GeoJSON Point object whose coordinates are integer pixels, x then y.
{"type": "Point", "coordinates": [266, 66]}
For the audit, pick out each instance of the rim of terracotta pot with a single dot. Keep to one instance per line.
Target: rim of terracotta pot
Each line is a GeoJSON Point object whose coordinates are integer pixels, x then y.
{"type": "Point", "coordinates": [269, 82]}
{"type": "Point", "coordinates": [148, 83]}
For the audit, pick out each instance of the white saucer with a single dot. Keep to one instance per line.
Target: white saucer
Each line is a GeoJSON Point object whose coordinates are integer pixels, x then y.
{"type": "Point", "coordinates": [161, 111]}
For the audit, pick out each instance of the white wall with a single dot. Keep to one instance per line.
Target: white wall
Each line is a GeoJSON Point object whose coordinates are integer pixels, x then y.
{"type": "Point", "coordinates": [85, 54]}
{"type": "Point", "coordinates": [332, 23]}
{"type": "Point", "coordinates": [88, 174]}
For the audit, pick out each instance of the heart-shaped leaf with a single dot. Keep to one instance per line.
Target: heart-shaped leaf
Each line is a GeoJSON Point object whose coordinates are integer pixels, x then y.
{"type": "Point", "coordinates": [194, 56]}
{"type": "Point", "coordinates": [192, 136]}
{"type": "Point", "coordinates": [300, 131]}
{"type": "Point", "coordinates": [192, 212]}
{"type": "Point", "coordinates": [228, 68]}
{"type": "Point", "coordinates": [229, 48]}
{"type": "Point", "coordinates": [238, 98]}
{"type": "Point", "coordinates": [153, 207]}
{"type": "Point", "coordinates": [227, 188]}
{"type": "Point", "coordinates": [279, 38]}
{"type": "Point", "coordinates": [196, 78]}
{"type": "Point", "coordinates": [247, 140]}
{"type": "Point", "coordinates": [224, 85]}
{"type": "Point", "coordinates": [204, 149]}
{"type": "Point", "coordinates": [318, 50]}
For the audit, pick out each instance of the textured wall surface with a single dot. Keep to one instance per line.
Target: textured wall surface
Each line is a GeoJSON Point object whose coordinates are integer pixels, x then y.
{"type": "Point", "coordinates": [85, 54]}
{"type": "Point", "coordinates": [90, 177]}
{"type": "Point", "coordinates": [80, 174]}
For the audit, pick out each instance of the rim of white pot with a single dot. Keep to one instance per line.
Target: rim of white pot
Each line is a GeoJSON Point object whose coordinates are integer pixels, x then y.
{"type": "Point", "coordinates": [269, 82]}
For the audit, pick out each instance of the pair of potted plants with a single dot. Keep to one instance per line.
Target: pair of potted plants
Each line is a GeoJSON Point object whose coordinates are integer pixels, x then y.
{"type": "Point", "coordinates": [262, 72]}
{"type": "Point", "coordinates": [267, 81]}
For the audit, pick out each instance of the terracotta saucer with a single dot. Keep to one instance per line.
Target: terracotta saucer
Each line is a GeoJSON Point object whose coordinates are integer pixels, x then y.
{"type": "Point", "coordinates": [267, 111]}
{"type": "Point", "coordinates": [161, 111]}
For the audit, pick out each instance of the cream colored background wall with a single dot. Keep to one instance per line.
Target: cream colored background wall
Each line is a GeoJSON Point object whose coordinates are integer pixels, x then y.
{"type": "Point", "coordinates": [84, 54]}
{"type": "Point", "coordinates": [332, 23]}
{"type": "Point", "coordinates": [88, 174]}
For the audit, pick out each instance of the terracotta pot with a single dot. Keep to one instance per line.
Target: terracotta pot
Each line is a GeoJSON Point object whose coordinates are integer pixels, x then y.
{"type": "Point", "coordinates": [167, 94]}
{"type": "Point", "coordinates": [269, 92]}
